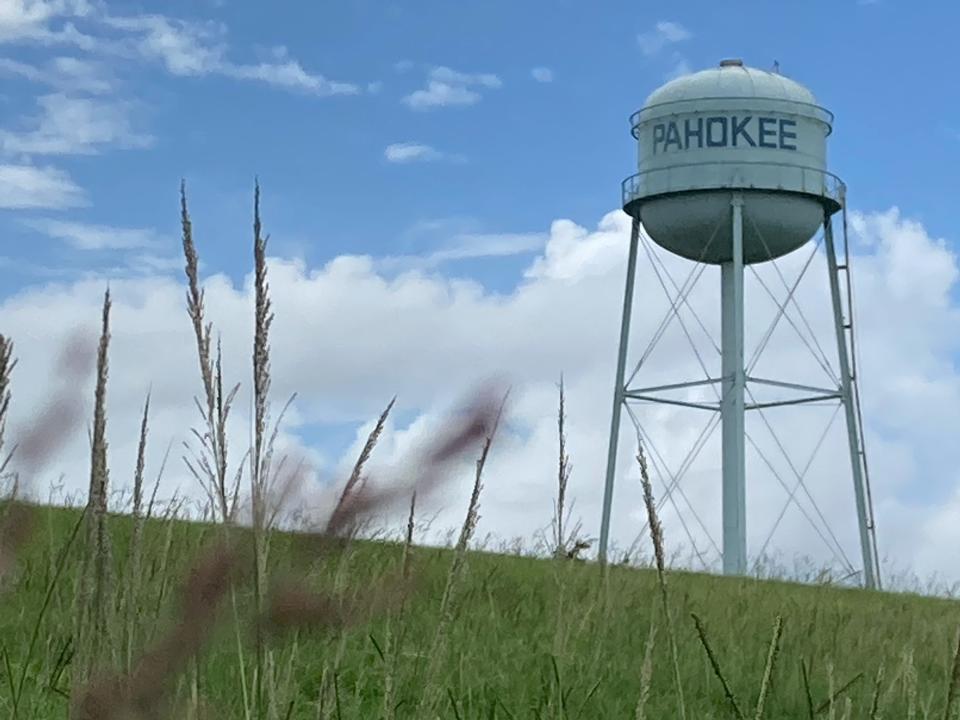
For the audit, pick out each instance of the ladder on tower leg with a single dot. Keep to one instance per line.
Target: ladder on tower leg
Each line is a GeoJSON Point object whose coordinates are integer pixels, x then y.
{"type": "Point", "coordinates": [843, 268]}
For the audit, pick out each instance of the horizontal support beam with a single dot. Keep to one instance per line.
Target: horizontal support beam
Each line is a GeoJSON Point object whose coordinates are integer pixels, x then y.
{"type": "Point", "coordinates": [795, 401]}
{"type": "Point", "coordinates": [793, 386]}
{"type": "Point", "coordinates": [676, 386]}
{"type": "Point", "coordinates": [634, 395]}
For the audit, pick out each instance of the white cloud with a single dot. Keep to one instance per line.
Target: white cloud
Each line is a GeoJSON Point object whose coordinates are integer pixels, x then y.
{"type": "Point", "coordinates": [410, 152]}
{"type": "Point", "coordinates": [30, 187]}
{"type": "Point", "coordinates": [407, 152]}
{"type": "Point", "coordinates": [440, 94]}
{"type": "Point", "coordinates": [80, 75]}
{"type": "Point", "coordinates": [289, 75]}
{"type": "Point", "coordinates": [664, 33]}
{"type": "Point", "coordinates": [195, 49]}
{"type": "Point", "coordinates": [914, 252]}
{"type": "Point", "coordinates": [12, 68]}
{"type": "Point", "coordinates": [71, 125]}
{"type": "Point", "coordinates": [447, 87]}
{"type": "Point", "coordinates": [466, 246]}
{"type": "Point", "coordinates": [427, 338]}
{"type": "Point", "coordinates": [63, 73]}
{"type": "Point", "coordinates": [184, 48]}
{"type": "Point", "coordinates": [31, 20]}
{"type": "Point", "coordinates": [447, 75]}
{"type": "Point", "coordinates": [84, 236]}
{"type": "Point", "coordinates": [542, 74]}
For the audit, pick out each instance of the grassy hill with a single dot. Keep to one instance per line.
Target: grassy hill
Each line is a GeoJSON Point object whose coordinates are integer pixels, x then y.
{"type": "Point", "coordinates": [518, 638]}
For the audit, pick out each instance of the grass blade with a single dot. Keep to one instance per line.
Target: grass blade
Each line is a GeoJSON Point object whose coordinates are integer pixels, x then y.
{"type": "Point", "coordinates": [728, 693]}
{"type": "Point", "coordinates": [768, 670]}
{"type": "Point", "coordinates": [48, 596]}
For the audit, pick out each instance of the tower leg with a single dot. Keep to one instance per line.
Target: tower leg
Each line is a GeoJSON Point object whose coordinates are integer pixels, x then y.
{"type": "Point", "coordinates": [618, 392]}
{"type": "Point", "coordinates": [853, 430]}
{"type": "Point", "coordinates": [732, 404]}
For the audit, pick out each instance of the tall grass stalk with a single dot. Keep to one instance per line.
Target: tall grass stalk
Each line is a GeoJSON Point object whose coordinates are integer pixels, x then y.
{"type": "Point", "coordinates": [264, 478]}
{"type": "Point", "coordinates": [259, 470]}
{"type": "Point", "coordinates": [209, 463]}
{"type": "Point", "coordinates": [772, 654]}
{"type": "Point", "coordinates": [7, 364]}
{"type": "Point", "coordinates": [136, 540]}
{"type": "Point", "coordinates": [430, 697]}
{"type": "Point", "coordinates": [563, 478]}
{"type": "Point", "coordinates": [646, 673]}
{"type": "Point", "coordinates": [808, 693]}
{"type": "Point", "coordinates": [355, 481]}
{"type": "Point", "coordinates": [875, 702]}
{"type": "Point", "coordinates": [953, 688]}
{"type": "Point", "coordinates": [408, 538]}
{"type": "Point", "coordinates": [394, 639]}
{"type": "Point", "coordinates": [95, 587]}
{"type": "Point", "coordinates": [715, 665]}
{"type": "Point", "coordinates": [656, 533]}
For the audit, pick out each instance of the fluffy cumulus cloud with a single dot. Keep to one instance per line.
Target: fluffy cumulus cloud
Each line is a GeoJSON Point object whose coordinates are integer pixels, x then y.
{"type": "Point", "coordinates": [447, 87]}
{"type": "Point", "coordinates": [348, 336]}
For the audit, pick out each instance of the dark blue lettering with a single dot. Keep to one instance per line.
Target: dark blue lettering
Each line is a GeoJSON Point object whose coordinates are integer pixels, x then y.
{"type": "Point", "coordinates": [786, 135]}
{"type": "Point", "coordinates": [719, 131]}
{"type": "Point", "coordinates": [690, 133]}
{"type": "Point", "coordinates": [673, 137]}
{"type": "Point", "coordinates": [713, 122]}
{"type": "Point", "coordinates": [767, 132]}
{"type": "Point", "coordinates": [659, 132]}
{"type": "Point", "coordinates": [740, 129]}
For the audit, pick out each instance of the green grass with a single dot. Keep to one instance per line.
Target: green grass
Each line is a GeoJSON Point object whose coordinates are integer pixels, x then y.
{"type": "Point", "coordinates": [528, 638]}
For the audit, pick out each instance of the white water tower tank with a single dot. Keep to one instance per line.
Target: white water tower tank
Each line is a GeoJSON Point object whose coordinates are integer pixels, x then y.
{"type": "Point", "coordinates": [731, 128]}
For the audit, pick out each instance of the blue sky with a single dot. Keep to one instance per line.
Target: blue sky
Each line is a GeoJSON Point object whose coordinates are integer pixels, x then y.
{"type": "Point", "coordinates": [514, 156]}
{"type": "Point", "coordinates": [474, 152]}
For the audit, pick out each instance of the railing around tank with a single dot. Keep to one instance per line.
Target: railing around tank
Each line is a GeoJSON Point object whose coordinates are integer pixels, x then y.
{"type": "Point", "coordinates": [808, 180]}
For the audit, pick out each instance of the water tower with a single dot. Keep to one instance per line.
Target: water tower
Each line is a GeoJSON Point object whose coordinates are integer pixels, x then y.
{"type": "Point", "coordinates": [732, 172]}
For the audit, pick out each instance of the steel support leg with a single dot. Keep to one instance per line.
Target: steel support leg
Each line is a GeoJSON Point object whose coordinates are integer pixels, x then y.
{"type": "Point", "coordinates": [732, 405]}
{"type": "Point", "coordinates": [618, 392]}
{"type": "Point", "coordinates": [853, 429]}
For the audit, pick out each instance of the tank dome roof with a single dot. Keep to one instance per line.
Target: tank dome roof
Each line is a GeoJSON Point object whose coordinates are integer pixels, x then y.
{"type": "Point", "coordinates": [731, 80]}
